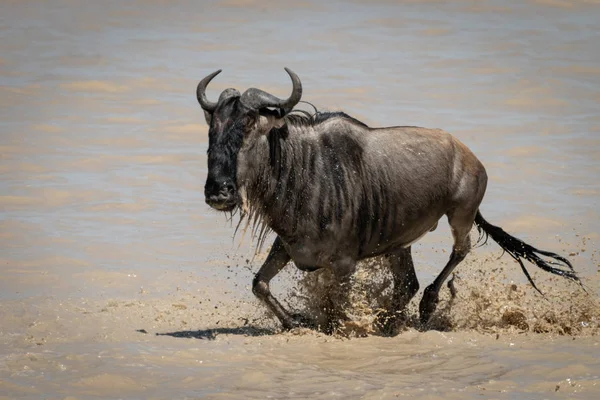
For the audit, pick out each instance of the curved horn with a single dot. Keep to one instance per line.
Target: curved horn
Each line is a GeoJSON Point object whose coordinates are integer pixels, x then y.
{"type": "Point", "coordinates": [201, 93]}
{"type": "Point", "coordinates": [255, 98]}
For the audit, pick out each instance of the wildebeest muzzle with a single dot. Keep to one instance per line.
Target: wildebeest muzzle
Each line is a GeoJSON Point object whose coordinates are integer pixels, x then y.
{"type": "Point", "coordinates": [220, 193]}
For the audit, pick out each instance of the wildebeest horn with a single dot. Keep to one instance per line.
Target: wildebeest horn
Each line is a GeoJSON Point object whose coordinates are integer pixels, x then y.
{"type": "Point", "coordinates": [201, 93]}
{"type": "Point", "coordinates": [255, 98]}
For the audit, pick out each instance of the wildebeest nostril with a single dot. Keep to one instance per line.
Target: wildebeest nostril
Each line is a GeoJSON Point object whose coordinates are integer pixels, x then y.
{"type": "Point", "coordinates": [226, 189]}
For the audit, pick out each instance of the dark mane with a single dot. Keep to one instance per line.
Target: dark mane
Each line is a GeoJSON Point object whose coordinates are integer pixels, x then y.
{"type": "Point", "coordinates": [299, 117]}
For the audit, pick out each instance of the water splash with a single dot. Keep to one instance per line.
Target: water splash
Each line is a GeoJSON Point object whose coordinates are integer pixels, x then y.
{"type": "Point", "coordinates": [488, 298]}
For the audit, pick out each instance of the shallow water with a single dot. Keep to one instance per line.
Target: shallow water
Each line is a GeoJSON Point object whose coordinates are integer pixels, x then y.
{"type": "Point", "coordinates": [104, 231]}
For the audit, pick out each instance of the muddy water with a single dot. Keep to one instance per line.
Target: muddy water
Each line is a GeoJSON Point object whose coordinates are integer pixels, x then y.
{"type": "Point", "coordinates": [106, 242]}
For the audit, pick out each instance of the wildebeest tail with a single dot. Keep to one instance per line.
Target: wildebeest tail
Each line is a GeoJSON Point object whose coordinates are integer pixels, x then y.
{"type": "Point", "coordinates": [520, 250]}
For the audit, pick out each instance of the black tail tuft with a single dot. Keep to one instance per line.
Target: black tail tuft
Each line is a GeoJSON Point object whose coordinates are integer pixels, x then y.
{"type": "Point", "coordinates": [520, 250]}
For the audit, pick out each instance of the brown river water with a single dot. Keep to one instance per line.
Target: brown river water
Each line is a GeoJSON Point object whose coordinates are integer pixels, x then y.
{"type": "Point", "coordinates": [117, 281]}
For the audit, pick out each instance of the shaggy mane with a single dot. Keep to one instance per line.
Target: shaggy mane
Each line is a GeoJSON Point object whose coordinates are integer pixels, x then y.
{"type": "Point", "coordinates": [250, 215]}
{"type": "Point", "coordinates": [299, 117]}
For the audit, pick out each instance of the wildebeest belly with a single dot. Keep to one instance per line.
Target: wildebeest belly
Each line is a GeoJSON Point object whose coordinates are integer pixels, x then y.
{"type": "Point", "coordinates": [361, 230]}
{"type": "Point", "coordinates": [402, 234]}
{"type": "Point", "coordinates": [307, 268]}
{"type": "Point", "coordinates": [311, 252]}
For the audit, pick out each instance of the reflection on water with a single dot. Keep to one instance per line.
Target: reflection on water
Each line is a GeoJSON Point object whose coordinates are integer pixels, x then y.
{"type": "Point", "coordinates": [102, 165]}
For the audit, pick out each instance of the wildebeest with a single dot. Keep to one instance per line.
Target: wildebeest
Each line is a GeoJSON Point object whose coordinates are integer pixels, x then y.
{"type": "Point", "coordinates": [336, 191]}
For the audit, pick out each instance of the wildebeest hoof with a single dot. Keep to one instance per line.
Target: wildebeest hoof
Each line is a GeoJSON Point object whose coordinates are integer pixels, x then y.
{"type": "Point", "coordinates": [298, 321]}
{"type": "Point", "coordinates": [389, 324]}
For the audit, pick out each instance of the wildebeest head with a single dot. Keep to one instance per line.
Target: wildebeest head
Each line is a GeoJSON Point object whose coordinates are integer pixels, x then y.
{"type": "Point", "coordinates": [233, 119]}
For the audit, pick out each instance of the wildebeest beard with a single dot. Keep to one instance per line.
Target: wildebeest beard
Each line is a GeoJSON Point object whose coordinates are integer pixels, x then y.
{"type": "Point", "coordinates": [254, 212]}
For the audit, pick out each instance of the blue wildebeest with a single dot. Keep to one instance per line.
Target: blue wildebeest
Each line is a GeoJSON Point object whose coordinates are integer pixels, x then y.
{"type": "Point", "coordinates": [336, 191]}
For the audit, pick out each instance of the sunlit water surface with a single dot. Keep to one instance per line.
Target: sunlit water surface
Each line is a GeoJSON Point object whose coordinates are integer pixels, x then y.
{"type": "Point", "coordinates": [104, 230]}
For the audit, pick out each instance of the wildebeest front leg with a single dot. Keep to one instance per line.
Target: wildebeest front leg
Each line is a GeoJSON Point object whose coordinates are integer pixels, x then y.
{"type": "Point", "coordinates": [406, 286]}
{"type": "Point", "coordinates": [276, 260]}
{"type": "Point", "coordinates": [341, 293]}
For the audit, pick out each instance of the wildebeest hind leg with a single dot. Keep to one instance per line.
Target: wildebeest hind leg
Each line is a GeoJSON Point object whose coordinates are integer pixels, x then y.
{"type": "Point", "coordinates": [406, 286]}
{"type": "Point", "coordinates": [461, 222]}
{"type": "Point", "coordinates": [276, 260]}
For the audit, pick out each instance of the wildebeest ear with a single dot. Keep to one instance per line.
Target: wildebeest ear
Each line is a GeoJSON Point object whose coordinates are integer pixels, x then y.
{"type": "Point", "coordinates": [272, 112]}
{"type": "Point", "coordinates": [207, 117]}
{"type": "Point", "coordinates": [268, 119]}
